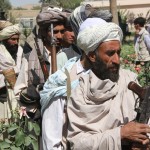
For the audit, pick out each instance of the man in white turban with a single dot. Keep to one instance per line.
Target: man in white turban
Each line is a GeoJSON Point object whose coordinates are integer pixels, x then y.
{"type": "Point", "coordinates": [101, 107]}
{"type": "Point", "coordinates": [10, 66]}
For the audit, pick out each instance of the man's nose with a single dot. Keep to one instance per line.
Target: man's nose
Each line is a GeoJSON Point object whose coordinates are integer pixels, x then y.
{"type": "Point", "coordinates": [15, 41]}
{"type": "Point", "coordinates": [116, 58]}
{"type": "Point", "coordinates": [59, 35]}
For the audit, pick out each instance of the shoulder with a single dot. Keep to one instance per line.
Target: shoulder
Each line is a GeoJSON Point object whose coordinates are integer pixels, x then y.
{"type": "Point", "coordinates": [127, 75]}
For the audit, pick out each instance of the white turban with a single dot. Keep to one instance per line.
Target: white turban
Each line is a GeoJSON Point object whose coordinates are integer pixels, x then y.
{"type": "Point", "coordinates": [94, 31]}
{"type": "Point", "coordinates": [7, 32]}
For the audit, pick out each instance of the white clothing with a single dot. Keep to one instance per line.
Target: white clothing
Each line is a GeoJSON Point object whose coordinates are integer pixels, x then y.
{"type": "Point", "coordinates": [6, 62]}
{"type": "Point", "coordinates": [96, 110]}
{"type": "Point", "coordinates": [52, 121]}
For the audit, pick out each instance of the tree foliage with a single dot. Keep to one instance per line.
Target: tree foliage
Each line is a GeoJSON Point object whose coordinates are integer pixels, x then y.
{"type": "Point", "coordinates": [5, 5]}
{"type": "Point", "coordinates": [71, 4]}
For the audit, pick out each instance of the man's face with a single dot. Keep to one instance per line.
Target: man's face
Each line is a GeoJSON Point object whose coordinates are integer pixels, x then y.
{"type": "Point", "coordinates": [58, 32]}
{"type": "Point", "coordinates": [11, 44]}
{"type": "Point", "coordinates": [69, 37]}
{"type": "Point", "coordinates": [106, 61]}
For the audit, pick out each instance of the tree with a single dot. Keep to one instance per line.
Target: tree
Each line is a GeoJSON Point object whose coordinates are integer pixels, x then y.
{"type": "Point", "coordinates": [63, 3]}
{"type": "Point", "coordinates": [113, 10]}
{"type": "Point", "coordinates": [5, 5]}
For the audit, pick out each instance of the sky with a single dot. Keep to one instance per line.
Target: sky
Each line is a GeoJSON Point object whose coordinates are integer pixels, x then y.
{"type": "Point", "coordinates": [17, 3]}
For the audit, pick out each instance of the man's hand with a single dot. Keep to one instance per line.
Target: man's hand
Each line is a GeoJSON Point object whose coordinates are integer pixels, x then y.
{"type": "Point", "coordinates": [136, 132]}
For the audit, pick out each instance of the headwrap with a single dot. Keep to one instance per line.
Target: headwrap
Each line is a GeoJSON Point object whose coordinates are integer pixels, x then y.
{"type": "Point", "coordinates": [93, 32]}
{"type": "Point", "coordinates": [7, 32]}
{"type": "Point", "coordinates": [4, 24]}
{"type": "Point", "coordinates": [47, 17]}
{"type": "Point", "coordinates": [79, 15]}
{"type": "Point", "coordinates": [103, 14]}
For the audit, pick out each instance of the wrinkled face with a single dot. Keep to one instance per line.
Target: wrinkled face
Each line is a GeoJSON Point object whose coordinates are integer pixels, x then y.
{"type": "Point", "coordinates": [58, 32]}
{"type": "Point", "coordinates": [106, 60]}
{"type": "Point", "coordinates": [69, 36]}
{"type": "Point", "coordinates": [11, 44]}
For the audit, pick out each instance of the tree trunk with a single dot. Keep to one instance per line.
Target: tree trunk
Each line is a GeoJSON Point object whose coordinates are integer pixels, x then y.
{"type": "Point", "coordinates": [113, 10]}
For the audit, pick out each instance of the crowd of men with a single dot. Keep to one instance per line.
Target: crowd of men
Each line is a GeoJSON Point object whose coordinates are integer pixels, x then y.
{"type": "Point", "coordinates": [68, 75]}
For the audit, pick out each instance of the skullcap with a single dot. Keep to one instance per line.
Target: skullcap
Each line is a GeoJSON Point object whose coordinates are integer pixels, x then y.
{"type": "Point", "coordinates": [45, 18]}
{"type": "Point", "coordinates": [91, 35]}
{"type": "Point", "coordinates": [8, 31]}
{"type": "Point", "coordinates": [4, 24]}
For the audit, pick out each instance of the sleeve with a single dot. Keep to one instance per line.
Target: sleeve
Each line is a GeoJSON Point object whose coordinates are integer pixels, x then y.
{"type": "Point", "coordinates": [52, 124]}
{"type": "Point", "coordinates": [147, 41]}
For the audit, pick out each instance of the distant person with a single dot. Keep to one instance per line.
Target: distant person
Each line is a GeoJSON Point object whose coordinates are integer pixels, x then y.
{"type": "Point", "coordinates": [142, 46]}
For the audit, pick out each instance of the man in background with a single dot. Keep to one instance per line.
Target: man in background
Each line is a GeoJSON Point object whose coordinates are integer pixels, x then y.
{"type": "Point", "coordinates": [142, 46]}
{"type": "Point", "coordinates": [10, 66]}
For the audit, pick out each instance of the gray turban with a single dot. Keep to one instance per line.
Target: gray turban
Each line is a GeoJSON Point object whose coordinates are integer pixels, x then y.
{"type": "Point", "coordinates": [94, 31]}
{"type": "Point", "coordinates": [79, 15]}
{"type": "Point", "coordinates": [45, 18]}
{"type": "Point", "coordinates": [8, 31]}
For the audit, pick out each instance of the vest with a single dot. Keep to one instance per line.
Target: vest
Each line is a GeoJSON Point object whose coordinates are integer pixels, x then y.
{"type": "Point", "coordinates": [141, 48]}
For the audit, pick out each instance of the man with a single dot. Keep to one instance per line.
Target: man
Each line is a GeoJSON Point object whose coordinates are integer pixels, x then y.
{"type": "Point", "coordinates": [142, 46]}
{"type": "Point", "coordinates": [69, 47]}
{"type": "Point", "coordinates": [101, 108]}
{"type": "Point", "coordinates": [10, 66]}
{"type": "Point", "coordinates": [42, 33]}
{"type": "Point", "coordinates": [53, 96]}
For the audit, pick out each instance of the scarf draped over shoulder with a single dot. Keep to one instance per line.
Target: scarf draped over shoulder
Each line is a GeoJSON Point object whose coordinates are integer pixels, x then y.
{"type": "Point", "coordinates": [97, 109]}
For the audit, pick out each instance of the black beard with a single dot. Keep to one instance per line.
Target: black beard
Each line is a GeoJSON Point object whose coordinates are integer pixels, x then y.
{"type": "Point", "coordinates": [12, 49]}
{"type": "Point", "coordinates": [103, 72]}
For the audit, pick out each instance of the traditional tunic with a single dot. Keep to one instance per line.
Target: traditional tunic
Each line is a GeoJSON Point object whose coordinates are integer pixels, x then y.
{"type": "Point", "coordinates": [54, 96]}
{"type": "Point", "coordinates": [7, 62]}
{"type": "Point", "coordinates": [97, 109]}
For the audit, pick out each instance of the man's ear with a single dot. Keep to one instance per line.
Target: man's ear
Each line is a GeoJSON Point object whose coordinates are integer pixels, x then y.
{"type": "Point", "coordinates": [92, 56]}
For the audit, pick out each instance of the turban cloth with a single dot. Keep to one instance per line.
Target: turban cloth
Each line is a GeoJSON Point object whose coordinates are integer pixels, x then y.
{"type": "Point", "coordinates": [4, 24]}
{"type": "Point", "coordinates": [92, 33]}
{"type": "Point", "coordinates": [8, 31]}
{"type": "Point", "coordinates": [45, 18]}
{"type": "Point", "coordinates": [79, 15]}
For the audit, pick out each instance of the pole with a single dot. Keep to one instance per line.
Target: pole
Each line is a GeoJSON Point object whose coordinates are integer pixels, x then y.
{"type": "Point", "coordinates": [113, 10]}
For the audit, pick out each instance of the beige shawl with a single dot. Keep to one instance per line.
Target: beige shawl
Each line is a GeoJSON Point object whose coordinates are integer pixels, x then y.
{"type": "Point", "coordinates": [97, 109]}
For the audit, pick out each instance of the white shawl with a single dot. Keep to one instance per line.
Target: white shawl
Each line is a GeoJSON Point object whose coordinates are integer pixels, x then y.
{"type": "Point", "coordinates": [97, 109]}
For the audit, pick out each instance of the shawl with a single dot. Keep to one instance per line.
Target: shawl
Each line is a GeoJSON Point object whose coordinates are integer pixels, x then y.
{"type": "Point", "coordinates": [56, 84]}
{"type": "Point", "coordinates": [96, 110]}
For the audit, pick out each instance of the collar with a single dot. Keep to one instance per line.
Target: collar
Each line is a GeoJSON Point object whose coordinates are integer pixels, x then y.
{"type": "Point", "coordinates": [80, 68]}
{"type": "Point", "coordinates": [141, 31]}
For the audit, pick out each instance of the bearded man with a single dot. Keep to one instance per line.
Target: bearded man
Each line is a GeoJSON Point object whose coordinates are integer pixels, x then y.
{"type": "Point", "coordinates": [101, 107]}
{"type": "Point", "coordinates": [10, 66]}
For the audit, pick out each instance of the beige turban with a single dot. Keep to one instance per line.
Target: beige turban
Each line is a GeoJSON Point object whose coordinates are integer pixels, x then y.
{"type": "Point", "coordinates": [93, 32]}
{"type": "Point", "coordinates": [4, 24]}
{"type": "Point", "coordinates": [8, 31]}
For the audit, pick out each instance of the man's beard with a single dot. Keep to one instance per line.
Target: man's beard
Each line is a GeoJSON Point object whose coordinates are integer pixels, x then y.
{"type": "Point", "coordinates": [12, 49]}
{"type": "Point", "coordinates": [103, 72]}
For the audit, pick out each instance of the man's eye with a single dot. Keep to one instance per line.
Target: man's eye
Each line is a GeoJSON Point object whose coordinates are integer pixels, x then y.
{"type": "Point", "coordinates": [111, 53]}
{"type": "Point", "coordinates": [57, 31]}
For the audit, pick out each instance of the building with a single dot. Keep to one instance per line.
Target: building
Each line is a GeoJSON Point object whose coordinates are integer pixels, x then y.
{"type": "Point", "coordinates": [138, 7]}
